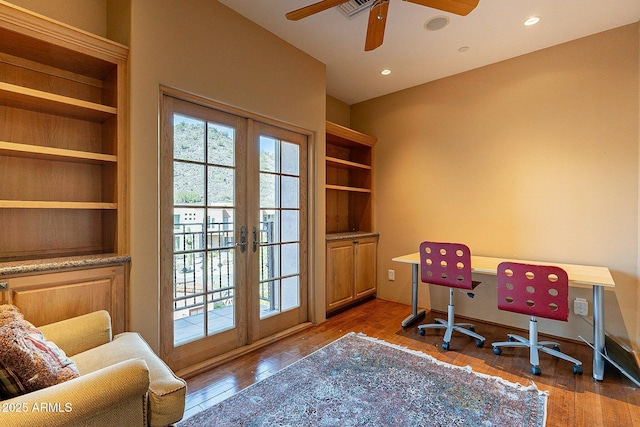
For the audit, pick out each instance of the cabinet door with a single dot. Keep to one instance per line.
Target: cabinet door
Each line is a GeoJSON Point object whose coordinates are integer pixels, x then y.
{"type": "Point", "coordinates": [51, 297]}
{"type": "Point", "coordinates": [340, 274]}
{"type": "Point", "coordinates": [365, 267]}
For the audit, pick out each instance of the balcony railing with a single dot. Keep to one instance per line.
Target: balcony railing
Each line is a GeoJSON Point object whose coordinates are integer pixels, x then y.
{"type": "Point", "coordinates": [192, 291]}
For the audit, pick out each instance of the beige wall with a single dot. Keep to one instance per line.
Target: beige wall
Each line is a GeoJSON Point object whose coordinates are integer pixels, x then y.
{"type": "Point", "coordinates": [209, 50]}
{"type": "Point", "coordinates": [533, 158]}
{"type": "Point", "coordinates": [88, 15]}
{"type": "Point", "coordinates": [338, 112]}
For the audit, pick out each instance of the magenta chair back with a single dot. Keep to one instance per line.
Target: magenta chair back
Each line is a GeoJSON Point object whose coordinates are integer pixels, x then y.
{"type": "Point", "coordinates": [446, 264]}
{"type": "Point", "coordinates": [536, 290]}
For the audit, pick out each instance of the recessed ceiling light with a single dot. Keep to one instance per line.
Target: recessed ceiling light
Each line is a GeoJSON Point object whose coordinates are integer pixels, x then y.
{"type": "Point", "coordinates": [385, 72]}
{"type": "Point", "coordinates": [532, 21]}
{"type": "Point", "coordinates": [436, 23]}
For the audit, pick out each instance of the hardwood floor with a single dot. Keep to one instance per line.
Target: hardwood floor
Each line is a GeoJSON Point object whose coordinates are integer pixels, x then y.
{"type": "Point", "coordinates": [574, 400]}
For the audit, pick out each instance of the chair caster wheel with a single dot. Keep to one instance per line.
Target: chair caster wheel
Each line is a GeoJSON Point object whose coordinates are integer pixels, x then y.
{"type": "Point", "coordinates": [497, 351]}
{"type": "Point", "coordinates": [577, 369]}
{"type": "Point", "coordinates": [535, 370]}
{"type": "Point", "coordinates": [479, 343]}
{"type": "Point", "coordinates": [472, 329]}
{"type": "Point", "coordinates": [556, 348]}
{"type": "Point", "coordinates": [510, 339]}
{"type": "Point", "coordinates": [445, 345]}
{"type": "Point", "coordinates": [421, 332]}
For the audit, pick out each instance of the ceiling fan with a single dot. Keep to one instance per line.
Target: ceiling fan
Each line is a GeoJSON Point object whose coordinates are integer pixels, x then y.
{"type": "Point", "coordinates": [378, 14]}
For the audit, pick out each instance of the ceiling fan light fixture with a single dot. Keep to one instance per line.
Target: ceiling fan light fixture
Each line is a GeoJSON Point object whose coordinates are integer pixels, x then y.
{"type": "Point", "coordinates": [436, 23]}
{"type": "Point", "coordinates": [532, 21]}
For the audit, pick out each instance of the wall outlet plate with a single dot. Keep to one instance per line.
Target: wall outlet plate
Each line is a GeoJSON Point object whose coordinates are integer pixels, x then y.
{"type": "Point", "coordinates": [580, 307]}
{"type": "Point", "coordinates": [392, 275]}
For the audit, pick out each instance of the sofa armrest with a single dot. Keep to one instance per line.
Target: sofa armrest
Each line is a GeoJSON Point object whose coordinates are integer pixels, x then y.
{"type": "Point", "coordinates": [80, 333]}
{"type": "Point", "coordinates": [114, 394]}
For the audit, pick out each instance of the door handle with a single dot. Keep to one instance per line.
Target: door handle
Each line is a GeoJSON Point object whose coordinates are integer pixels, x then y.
{"type": "Point", "coordinates": [256, 240]}
{"type": "Point", "coordinates": [243, 239]}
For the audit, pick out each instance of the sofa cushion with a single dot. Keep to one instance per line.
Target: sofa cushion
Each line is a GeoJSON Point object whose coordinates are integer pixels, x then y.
{"type": "Point", "coordinates": [166, 397]}
{"type": "Point", "coordinates": [28, 361]}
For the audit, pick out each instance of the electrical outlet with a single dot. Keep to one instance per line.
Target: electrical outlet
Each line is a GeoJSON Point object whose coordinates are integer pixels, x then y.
{"type": "Point", "coordinates": [580, 307]}
{"type": "Point", "coordinates": [392, 275]}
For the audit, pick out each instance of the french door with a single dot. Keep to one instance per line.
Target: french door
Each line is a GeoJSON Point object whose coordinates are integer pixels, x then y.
{"type": "Point", "coordinates": [233, 231]}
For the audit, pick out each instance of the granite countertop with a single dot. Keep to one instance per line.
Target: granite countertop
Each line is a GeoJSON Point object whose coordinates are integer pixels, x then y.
{"type": "Point", "coordinates": [52, 264]}
{"type": "Point", "coordinates": [350, 235]}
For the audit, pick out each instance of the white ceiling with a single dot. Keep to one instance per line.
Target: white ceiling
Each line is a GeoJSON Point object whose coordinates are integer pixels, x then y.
{"type": "Point", "coordinates": [493, 32]}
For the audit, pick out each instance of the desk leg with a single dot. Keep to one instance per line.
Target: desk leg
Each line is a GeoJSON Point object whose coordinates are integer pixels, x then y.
{"type": "Point", "coordinates": [415, 314]}
{"type": "Point", "coordinates": [598, 333]}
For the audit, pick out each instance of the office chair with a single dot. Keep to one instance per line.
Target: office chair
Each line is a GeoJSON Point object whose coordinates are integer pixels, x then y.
{"type": "Point", "coordinates": [448, 264]}
{"type": "Point", "coordinates": [539, 291]}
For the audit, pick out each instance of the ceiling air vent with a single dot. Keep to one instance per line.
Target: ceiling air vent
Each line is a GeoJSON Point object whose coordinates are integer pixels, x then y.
{"type": "Point", "coordinates": [353, 7]}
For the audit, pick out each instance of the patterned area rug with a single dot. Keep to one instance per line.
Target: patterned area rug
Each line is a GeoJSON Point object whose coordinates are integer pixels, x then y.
{"type": "Point", "coordinates": [361, 381]}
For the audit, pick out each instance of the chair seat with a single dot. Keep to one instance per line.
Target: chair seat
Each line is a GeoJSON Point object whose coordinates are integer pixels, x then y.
{"type": "Point", "coordinates": [536, 290]}
{"type": "Point", "coordinates": [448, 264]}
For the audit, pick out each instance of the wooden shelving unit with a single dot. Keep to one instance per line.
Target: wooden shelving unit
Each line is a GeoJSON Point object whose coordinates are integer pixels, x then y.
{"type": "Point", "coordinates": [351, 250]}
{"type": "Point", "coordinates": [62, 139]}
{"type": "Point", "coordinates": [349, 185]}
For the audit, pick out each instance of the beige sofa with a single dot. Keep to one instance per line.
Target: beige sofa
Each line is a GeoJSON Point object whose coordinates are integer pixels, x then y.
{"type": "Point", "coordinates": [122, 382]}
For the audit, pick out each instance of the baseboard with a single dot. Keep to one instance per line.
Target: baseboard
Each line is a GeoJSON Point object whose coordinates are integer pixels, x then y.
{"type": "Point", "coordinates": [351, 305]}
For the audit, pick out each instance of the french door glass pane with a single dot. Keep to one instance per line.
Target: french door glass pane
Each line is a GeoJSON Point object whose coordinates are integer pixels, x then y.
{"type": "Point", "coordinates": [204, 218]}
{"type": "Point", "coordinates": [279, 223]}
{"type": "Point", "coordinates": [290, 292]}
{"type": "Point", "coordinates": [269, 226]}
{"type": "Point", "coordinates": [269, 190]}
{"type": "Point", "coordinates": [221, 146]}
{"type": "Point", "coordinates": [290, 224]}
{"type": "Point", "coordinates": [188, 184]}
{"type": "Point", "coordinates": [268, 155]}
{"type": "Point", "coordinates": [220, 232]}
{"type": "Point", "coordinates": [290, 192]}
{"type": "Point", "coordinates": [188, 138]}
{"type": "Point", "coordinates": [290, 158]}
{"type": "Point", "coordinates": [220, 186]}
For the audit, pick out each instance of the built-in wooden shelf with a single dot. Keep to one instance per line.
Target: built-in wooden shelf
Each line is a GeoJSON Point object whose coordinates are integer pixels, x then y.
{"type": "Point", "coordinates": [344, 188]}
{"type": "Point", "coordinates": [63, 149]}
{"type": "Point", "coordinates": [349, 180]}
{"type": "Point", "coordinates": [45, 102]}
{"type": "Point", "coordinates": [43, 204]}
{"type": "Point", "coordinates": [56, 154]}
{"type": "Point", "coordinates": [340, 163]}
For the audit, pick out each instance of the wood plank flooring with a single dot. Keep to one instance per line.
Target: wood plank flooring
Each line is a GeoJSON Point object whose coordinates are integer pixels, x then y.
{"type": "Point", "coordinates": [574, 400]}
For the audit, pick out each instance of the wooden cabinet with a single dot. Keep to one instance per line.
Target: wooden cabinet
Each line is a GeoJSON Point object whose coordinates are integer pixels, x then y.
{"type": "Point", "coordinates": [349, 184]}
{"type": "Point", "coordinates": [351, 243]}
{"type": "Point", "coordinates": [66, 288]}
{"type": "Point", "coordinates": [351, 271]}
{"type": "Point", "coordinates": [62, 140]}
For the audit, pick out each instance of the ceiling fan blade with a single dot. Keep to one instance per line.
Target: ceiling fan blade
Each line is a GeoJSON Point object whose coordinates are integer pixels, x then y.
{"type": "Point", "coordinates": [459, 7]}
{"type": "Point", "coordinates": [377, 22]}
{"type": "Point", "coordinates": [312, 9]}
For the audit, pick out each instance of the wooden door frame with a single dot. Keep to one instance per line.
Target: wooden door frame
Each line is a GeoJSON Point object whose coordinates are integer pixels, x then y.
{"type": "Point", "coordinates": [166, 319]}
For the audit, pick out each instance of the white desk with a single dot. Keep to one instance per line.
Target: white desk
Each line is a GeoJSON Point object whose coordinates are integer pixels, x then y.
{"type": "Point", "coordinates": [597, 278]}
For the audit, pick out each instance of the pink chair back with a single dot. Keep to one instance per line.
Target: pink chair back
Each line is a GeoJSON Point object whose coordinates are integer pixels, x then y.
{"type": "Point", "coordinates": [446, 264]}
{"type": "Point", "coordinates": [536, 290]}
